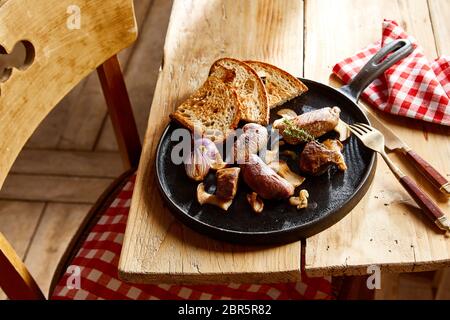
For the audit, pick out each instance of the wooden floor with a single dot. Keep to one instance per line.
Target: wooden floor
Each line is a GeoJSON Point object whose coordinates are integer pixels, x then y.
{"type": "Point", "coordinates": [73, 157]}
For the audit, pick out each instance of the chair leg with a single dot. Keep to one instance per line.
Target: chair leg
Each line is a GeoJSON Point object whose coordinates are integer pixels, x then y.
{"type": "Point", "coordinates": [120, 111]}
{"type": "Point", "coordinates": [15, 279]}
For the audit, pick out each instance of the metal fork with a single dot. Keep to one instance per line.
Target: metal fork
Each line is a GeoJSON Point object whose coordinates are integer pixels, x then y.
{"type": "Point", "coordinates": [374, 139]}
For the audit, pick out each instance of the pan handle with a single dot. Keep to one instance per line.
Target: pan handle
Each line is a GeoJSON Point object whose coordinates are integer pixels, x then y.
{"type": "Point", "coordinates": [376, 66]}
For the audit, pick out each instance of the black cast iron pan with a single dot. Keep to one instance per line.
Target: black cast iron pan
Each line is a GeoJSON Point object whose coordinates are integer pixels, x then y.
{"type": "Point", "coordinates": [332, 195]}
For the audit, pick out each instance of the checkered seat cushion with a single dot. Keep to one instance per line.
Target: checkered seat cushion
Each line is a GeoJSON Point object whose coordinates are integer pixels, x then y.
{"type": "Point", "coordinates": [90, 271]}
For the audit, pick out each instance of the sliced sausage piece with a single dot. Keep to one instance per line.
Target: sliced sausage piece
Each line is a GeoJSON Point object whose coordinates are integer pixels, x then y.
{"type": "Point", "coordinates": [265, 181]}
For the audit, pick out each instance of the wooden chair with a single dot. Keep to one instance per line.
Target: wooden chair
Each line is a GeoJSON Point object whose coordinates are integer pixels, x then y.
{"type": "Point", "coordinates": [58, 43]}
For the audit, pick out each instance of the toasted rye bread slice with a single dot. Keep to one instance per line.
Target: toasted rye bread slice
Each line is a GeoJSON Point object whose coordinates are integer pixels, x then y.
{"type": "Point", "coordinates": [249, 87]}
{"type": "Point", "coordinates": [213, 111]}
{"type": "Point", "coordinates": [280, 85]}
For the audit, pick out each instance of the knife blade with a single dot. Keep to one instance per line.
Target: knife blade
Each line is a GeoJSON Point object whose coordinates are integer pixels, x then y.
{"type": "Point", "coordinates": [394, 144]}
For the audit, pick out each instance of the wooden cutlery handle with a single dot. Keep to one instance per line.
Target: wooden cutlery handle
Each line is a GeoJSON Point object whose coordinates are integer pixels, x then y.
{"type": "Point", "coordinates": [429, 172]}
{"type": "Point", "coordinates": [422, 199]}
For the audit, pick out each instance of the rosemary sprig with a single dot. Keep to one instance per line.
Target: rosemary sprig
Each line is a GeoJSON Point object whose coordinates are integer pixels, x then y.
{"type": "Point", "coordinates": [296, 133]}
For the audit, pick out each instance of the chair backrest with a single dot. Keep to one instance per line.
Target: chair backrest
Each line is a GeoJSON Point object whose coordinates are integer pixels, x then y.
{"type": "Point", "coordinates": [46, 48]}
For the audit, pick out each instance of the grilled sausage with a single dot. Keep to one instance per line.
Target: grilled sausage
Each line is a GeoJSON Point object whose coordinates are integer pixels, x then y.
{"type": "Point", "coordinates": [264, 181]}
{"type": "Point", "coordinates": [316, 123]}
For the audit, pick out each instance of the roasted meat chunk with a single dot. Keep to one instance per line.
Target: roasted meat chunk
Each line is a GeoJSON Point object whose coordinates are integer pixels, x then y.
{"type": "Point", "coordinates": [306, 126]}
{"type": "Point", "coordinates": [317, 157]}
{"type": "Point", "coordinates": [227, 182]}
{"type": "Point", "coordinates": [264, 180]}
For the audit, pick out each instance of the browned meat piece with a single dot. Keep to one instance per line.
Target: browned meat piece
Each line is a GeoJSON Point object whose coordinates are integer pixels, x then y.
{"type": "Point", "coordinates": [264, 181]}
{"type": "Point", "coordinates": [253, 139]}
{"type": "Point", "coordinates": [227, 182]}
{"type": "Point", "coordinates": [315, 123]}
{"type": "Point", "coordinates": [316, 157]}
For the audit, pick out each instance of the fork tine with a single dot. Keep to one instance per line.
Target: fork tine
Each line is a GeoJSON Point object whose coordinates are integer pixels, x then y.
{"type": "Point", "coordinates": [360, 127]}
{"type": "Point", "coordinates": [366, 126]}
{"type": "Point", "coordinates": [356, 131]}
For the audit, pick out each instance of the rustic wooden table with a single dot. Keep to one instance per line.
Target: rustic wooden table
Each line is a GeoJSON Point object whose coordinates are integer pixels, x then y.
{"type": "Point", "coordinates": [306, 38]}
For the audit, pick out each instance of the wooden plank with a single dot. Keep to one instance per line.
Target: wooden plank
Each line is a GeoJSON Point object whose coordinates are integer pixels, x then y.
{"type": "Point", "coordinates": [53, 188]}
{"type": "Point", "coordinates": [156, 247]}
{"type": "Point", "coordinates": [68, 163]}
{"type": "Point", "coordinates": [142, 71]}
{"type": "Point", "coordinates": [59, 224]}
{"type": "Point", "coordinates": [18, 220]}
{"type": "Point", "coordinates": [386, 228]}
{"type": "Point", "coordinates": [440, 13]}
{"type": "Point", "coordinates": [86, 115]}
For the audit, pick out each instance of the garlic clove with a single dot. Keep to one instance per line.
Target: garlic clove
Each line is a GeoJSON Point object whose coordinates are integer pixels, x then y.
{"type": "Point", "coordinates": [198, 166]}
{"type": "Point", "coordinates": [210, 151]}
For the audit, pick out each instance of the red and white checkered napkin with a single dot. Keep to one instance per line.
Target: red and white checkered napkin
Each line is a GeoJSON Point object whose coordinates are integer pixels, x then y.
{"type": "Point", "coordinates": [414, 87]}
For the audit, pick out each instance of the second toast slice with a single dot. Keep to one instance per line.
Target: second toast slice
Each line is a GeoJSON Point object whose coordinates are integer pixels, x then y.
{"type": "Point", "coordinates": [249, 87]}
{"type": "Point", "coordinates": [280, 85]}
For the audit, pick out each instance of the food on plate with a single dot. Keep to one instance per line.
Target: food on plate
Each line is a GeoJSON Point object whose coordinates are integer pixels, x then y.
{"type": "Point", "coordinates": [289, 153]}
{"type": "Point", "coordinates": [204, 197]}
{"type": "Point", "coordinates": [309, 125]}
{"type": "Point", "coordinates": [287, 113]}
{"type": "Point", "coordinates": [236, 91]}
{"type": "Point", "coordinates": [317, 157]}
{"type": "Point", "coordinates": [282, 168]}
{"type": "Point", "coordinates": [255, 202]}
{"type": "Point", "coordinates": [249, 87]}
{"type": "Point", "coordinates": [227, 182]}
{"type": "Point", "coordinates": [204, 157]}
{"type": "Point", "coordinates": [253, 140]}
{"type": "Point", "coordinates": [280, 85]}
{"type": "Point", "coordinates": [270, 156]}
{"type": "Point", "coordinates": [213, 111]}
{"type": "Point", "coordinates": [265, 181]}
{"type": "Point", "coordinates": [336, 146]}
{"type": "Point", "coordinates": [301, 201]}
{"type": "Point", "coordinates": [343, 130]}
{"type": "Point", "coordinates": [226, 188]}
